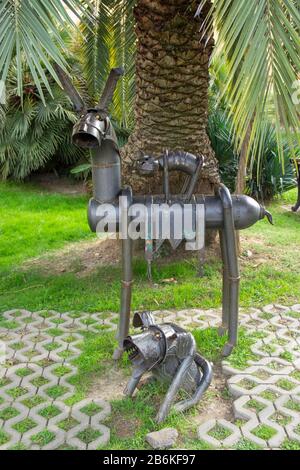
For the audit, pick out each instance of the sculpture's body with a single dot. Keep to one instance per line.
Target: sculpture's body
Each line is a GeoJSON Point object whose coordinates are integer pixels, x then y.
{"type": "Point", "coordinates": [221, 212]}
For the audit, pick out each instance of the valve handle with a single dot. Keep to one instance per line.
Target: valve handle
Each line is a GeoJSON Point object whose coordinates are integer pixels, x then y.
{"type": "Point", "coordinates": [269, 216]}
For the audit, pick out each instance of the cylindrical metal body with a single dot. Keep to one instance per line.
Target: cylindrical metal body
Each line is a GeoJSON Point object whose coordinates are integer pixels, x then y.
{"type": "Point", "coordinates": [246, 211]}
{"type": "Point", "coordinates": [106, 169]}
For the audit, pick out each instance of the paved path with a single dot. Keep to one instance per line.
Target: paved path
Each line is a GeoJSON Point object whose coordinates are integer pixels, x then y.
{"type": "Point", "coordinates": [37, 349]}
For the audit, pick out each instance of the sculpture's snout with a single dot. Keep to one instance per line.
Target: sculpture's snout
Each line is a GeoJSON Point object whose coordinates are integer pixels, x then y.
{"type": "Point", "coordinates": [147, 166]}
{"type": "Point", "coordinates": [89, 131]}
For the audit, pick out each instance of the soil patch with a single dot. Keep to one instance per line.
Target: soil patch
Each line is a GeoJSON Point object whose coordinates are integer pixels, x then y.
{"type": "Point", "coordinates": [62, 185]}
{"type": "Point", "coordinates": [81, 258]}
{"type": "Point", "coordinates": [109, 386]}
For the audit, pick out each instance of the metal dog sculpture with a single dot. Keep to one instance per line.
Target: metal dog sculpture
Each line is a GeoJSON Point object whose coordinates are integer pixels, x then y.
{"type": "Point", "coordinates": [169, 352]}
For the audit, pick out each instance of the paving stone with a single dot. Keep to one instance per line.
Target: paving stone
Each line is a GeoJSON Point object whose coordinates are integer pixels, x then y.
{"type": "Point", "coordinates": [204, 430]}
{"type": "Point", "coordinates": [33, 335]}
{"type": "Point", "coordinates": [163, 439]}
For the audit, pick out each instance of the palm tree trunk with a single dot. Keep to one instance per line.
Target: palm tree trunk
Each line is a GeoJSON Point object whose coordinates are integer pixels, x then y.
{"type": "Point", "coordinates": [171, 106]}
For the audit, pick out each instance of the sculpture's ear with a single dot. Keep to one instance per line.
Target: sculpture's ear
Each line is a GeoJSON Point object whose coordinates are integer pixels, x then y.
{"type": "Point", "coordinates": [143, 320]}
{"type": "Point", "coordinates": [70, 90]}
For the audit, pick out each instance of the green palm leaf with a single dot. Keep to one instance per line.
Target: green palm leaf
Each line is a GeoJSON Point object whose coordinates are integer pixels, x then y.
{"type": "Point", "coordinates": [31, 27]}
{"type": "Point", "coordinates": [108, 40]}
{"type": "Point", "coordinates": [261, 43]}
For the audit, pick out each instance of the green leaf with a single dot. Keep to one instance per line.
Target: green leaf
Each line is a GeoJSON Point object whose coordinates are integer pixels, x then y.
{"type": "Point", "coordinates": [260, 43]}
{"type": "Point", "coordinates": [32, 28]}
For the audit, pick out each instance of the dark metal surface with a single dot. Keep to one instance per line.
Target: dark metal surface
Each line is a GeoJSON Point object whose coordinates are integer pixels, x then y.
{"type": "Point", "coordinates": [126, 285]}
{"type": "Point", "coordinates": [246, 211]}
{"type": "Point", "coordinates": [231, 271]}
{"type": "Point", "coordinates": [297, 205]}
{"type": "Point", "coordinates": [169, 352]}
{"type": "Point", "coordinates": [109, 89]}
{"type": "Point", "coordinates": [69, 88]}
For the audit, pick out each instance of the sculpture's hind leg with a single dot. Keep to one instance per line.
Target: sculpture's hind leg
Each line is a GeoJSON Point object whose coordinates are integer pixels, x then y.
{"type": "Point", "coordinates": [124, 320]}
{"type": "Point", "coordinates": [127, 274]}
{"type": "Point", "coordinates": [205, 382]}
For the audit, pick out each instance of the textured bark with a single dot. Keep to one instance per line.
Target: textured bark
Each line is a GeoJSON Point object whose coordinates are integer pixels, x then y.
{"type": "Point", "coordinates": [172, 89]}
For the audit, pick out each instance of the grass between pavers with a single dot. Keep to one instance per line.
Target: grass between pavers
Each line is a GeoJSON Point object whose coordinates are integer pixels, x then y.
{"type": "Point", "coordinates": [34, 223]}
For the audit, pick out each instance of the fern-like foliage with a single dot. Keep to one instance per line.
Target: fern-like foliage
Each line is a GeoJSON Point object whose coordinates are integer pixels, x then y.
{"type": "Point", "coordinates": [267, 177]}
{"type": "Point", "coordinates": [33, 130]}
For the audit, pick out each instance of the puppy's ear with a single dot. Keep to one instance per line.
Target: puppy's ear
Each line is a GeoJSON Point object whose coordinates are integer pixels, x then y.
{"type": "Point", "coordinates": [143, 320]}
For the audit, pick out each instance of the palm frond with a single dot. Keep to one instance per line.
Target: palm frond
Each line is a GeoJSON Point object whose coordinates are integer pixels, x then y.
{"type": "Point", "coordinates": [123, 47]}
{"type": "Point", "coordinates": [94, 47]}
{"type": "Point", "coordinates": [261, 42]}
{"type": "Point", "coordinates": [108, 41]}
{"type": "Point", "coordinates": [31, 27]}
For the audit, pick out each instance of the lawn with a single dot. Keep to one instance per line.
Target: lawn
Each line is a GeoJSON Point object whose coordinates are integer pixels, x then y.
{"type": "Point", "coordinates": [35, 223]}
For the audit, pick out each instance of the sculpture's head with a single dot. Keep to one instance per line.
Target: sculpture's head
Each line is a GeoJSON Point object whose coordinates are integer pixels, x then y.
{"type": "Point", "coordinates": [147, 165]}
{"type": "Point", "coordinates": [148, 348]}
{"type": "Point", "coordinates": [90, 130]}
{"type": "Point", "coordinates": [94, 123]}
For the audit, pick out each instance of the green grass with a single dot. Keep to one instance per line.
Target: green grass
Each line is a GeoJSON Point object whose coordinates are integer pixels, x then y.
{"type": "Point", "coordinates": [34, 401]}
{"type": "Point", "coordinates": [23, 372]}
{"type": "Point", "coordinates": [264, 432]}
{"type": "Point", "coordinates": [255, 405]}
{"type": "Point", "coordinates": [290, 445]}
{"type": "Point", "coordinates": [39, 381]}
{"type": "Point", "coordinates": [25, 425]}
{"type": "Point", "coordinates": [56, 391]}
{"type": "Point", "coordinates": [8, 413]}
{"type": "Point", "coordinates": [89, 435]}
{"type": "Point", "coordinates": [50, 411]}
{"type": "Point", "coordinates": [17, 392]}
{"type": "Point", "coordinates": [91, 409]}
{"type": "Point", "coordinates": [219, 432]}
{"type": "Point", "coordinates": [4, 438]}
{"type": "Point", "coordinates": [245, 444]}
{"type": "Point", "coordinates": [293, 405]}
{"type": "Point", "coordinates": [43, 438]}
{"type": "Point", "coordinates": [68, 424]}
{"type": "Point", "coordinates": [35, 223]}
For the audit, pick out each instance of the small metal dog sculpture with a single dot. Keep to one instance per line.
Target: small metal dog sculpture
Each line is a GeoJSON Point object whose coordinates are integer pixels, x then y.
{"type": "Point", "coordinates": [169, 352]}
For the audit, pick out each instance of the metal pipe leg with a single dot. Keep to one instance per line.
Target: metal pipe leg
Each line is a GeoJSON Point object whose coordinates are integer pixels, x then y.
{"type": "Point", "coordinates": [233, 268]}
{"type": "Point", "coordinates": [124, 320]}
{"type": "Point", "coordinates": [205, 382]}
{"type": "Point", "coordinates": [225, 293]}
{"type": "Point", "coordinates": [297, 205]}
{"type": "Point", "coordinates": [173, 390]}
{"type": "Point", "coordinates": [131, 386]}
